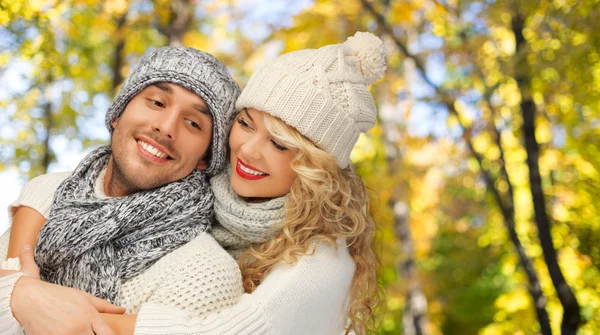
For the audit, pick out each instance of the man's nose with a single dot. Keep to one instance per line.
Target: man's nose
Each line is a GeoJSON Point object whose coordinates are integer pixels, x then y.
{"type": "Point", "coordinates": [166, 124]}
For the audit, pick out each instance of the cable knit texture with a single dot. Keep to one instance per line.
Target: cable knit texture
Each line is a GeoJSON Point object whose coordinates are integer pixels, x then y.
{"type": "Point", "coordinates": [8, 324]}
{"type": "Point", "coordinates": [92, 244]}
{"type": "Point", "coordinates": [242, 224]}
{"type": "Point", "coordinates": [322, 93]}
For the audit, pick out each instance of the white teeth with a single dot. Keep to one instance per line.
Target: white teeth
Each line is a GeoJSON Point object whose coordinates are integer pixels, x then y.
{"type": "Point", "coordinates": [250, 171]}
{"type": "Point", "coordinates": [152, 150]}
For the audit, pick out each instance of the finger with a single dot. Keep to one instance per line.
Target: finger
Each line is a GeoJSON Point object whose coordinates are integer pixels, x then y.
{"type": "Point", "coordinates": [27, 259]}
{"type": "Point", "coordinates": [104, 306]}
{"type": "Point", "coordinates": [101, 328]}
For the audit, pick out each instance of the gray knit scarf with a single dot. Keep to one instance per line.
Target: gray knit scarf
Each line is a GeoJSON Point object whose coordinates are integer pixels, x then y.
{"type": "Point", "coordinates": [93, 244]}
{"type": "Point", "coordinates": [242, 224]}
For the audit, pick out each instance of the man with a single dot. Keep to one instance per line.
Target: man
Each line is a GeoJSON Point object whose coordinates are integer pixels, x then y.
{"type": "Point", "coordinates": [129, 204]}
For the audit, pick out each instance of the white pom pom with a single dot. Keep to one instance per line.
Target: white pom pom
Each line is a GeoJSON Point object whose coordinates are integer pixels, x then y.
{"type": "Point", "coordinates": [368, 48]}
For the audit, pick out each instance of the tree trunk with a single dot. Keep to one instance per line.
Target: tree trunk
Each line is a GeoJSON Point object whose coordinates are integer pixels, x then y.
{"type": "Point", "coordinates": [48, 123]}
{"type": "Point", "coordinates": [507, 209]}
{"type": "Point", "coordinates": [535, 289]}
{"type": "Point", "coordinates": [415, 319]}
{"type": "Point", "coordinates": [182, 13]}
{"type": "Point", "coordinates": [505, 205]}
{"type": "Point", "coordinates": [571, 311]}
{"type": "Point", "coordinates": [118, 53]}
{"type": "Point", "coordinates": [508, 213]}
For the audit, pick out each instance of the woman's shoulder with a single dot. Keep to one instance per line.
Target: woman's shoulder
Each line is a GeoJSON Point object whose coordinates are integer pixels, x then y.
{"type": "Point", "coordinates": [309, 295]}
{"type": "Point", "coordinates": [324, 251]}
{"type": "Point", "coordinates": [324, 262]}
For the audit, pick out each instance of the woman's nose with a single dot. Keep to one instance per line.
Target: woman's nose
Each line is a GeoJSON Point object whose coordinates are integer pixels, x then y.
{"type": "Point", "coordinates": [251, 149]}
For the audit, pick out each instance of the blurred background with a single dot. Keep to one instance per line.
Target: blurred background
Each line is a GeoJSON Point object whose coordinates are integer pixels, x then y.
{"type": "Point", "coordinates": [484, 165]}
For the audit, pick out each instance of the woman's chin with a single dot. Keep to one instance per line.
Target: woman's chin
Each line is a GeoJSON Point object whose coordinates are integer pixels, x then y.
{"type": "Point", "coordinates": [251, 194]}
{"type": "Point", "coordinates": [256, 190]}
{"type": "Point", "coordinates": [244, 191]}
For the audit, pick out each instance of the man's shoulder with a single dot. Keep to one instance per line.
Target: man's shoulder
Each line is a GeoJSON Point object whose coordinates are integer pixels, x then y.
{"type": "Point", "coordinates": [49, 181]}
{"type": "Point", "coordinates": [38, 193]}
{"type": "Point", "coordinates": [55, 177]}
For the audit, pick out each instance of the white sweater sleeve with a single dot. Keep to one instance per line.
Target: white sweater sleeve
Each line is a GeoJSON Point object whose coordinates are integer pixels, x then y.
{"type": "Point", "coordinates": [38, 193]}
{"type": "Point", "coordinates": [308, 297]}
{"type": "Point", "coordinates": [8, 324]}
{"type": "Point", "coordinates": [246, 317]}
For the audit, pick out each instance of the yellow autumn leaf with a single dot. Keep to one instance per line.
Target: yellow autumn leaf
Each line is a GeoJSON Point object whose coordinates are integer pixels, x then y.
{"type": "Point", "coordinates": [514, 301]}
{"type": "Point", "coordinates": [197, 40]}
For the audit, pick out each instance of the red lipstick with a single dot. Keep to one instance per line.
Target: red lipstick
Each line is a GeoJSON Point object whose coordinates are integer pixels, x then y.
{"type": "Point", "coordinates": [246, 175]}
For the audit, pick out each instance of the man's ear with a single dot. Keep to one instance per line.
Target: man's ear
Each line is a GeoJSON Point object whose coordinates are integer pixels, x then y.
{"type": "Point", "coordinates": [115, 122]}
{"type": "Point", "coordinates": [202, 165]}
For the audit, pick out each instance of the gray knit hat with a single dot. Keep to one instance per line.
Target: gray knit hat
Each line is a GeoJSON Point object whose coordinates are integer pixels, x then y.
{"type": "Point", "coordinates": [196, 71]}
{"type": "Point", "coordinates": [322, 93]}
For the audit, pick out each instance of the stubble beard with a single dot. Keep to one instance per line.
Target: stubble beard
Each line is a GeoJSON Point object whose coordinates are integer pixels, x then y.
{"type": "Point", "coordinates": [127, 181]}
{"type": "Point", "coordinates": [123, 178]}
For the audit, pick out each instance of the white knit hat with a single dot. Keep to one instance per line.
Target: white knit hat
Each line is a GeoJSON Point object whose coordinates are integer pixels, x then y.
{"type": "Point", "coordinates": [322, 93]}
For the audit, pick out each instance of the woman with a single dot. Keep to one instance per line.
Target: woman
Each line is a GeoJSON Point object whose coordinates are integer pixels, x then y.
{"type": "Point", "coordinates": [290, 205]}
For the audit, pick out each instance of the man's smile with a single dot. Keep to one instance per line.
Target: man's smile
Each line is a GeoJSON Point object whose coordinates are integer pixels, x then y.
{"type": "Point", "coordinates": [152, 150]}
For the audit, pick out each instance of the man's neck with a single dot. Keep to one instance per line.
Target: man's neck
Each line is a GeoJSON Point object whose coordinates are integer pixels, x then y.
{"type": "Point", "coordinates": [113, 187]}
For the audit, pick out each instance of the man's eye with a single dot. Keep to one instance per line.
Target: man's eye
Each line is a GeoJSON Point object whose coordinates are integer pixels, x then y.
{"type": "Point", "coordinates": [193, 124]}
{"type": "Point", "coordinates": [158, 103]}
{"type": "Point", "coordinates": [279, 146]}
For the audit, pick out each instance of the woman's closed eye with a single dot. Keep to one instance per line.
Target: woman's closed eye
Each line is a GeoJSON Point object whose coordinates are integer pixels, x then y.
{"type": "Point", "coordinates": [243, 122]}
{"type": "Point", "coordinates": [279, 146]}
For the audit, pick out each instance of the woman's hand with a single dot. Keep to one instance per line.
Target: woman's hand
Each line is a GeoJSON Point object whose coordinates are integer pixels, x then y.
{"type": "Point", "coordinates": [44, 308]}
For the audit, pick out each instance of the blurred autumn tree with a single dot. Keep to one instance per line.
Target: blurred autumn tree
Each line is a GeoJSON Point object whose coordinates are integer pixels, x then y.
{"type": "Point", "coordinates": [484, 164]}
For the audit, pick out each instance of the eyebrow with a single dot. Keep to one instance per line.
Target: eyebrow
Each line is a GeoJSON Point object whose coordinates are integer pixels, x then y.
{"type": "Point", "coordinates": [167, 88]}
{"type": "Point", "coordinates": [164, 87]}
{"type": "Point", "coordinates": [247, 113]}
{"type": "Point", "coordinates": [202, 109]}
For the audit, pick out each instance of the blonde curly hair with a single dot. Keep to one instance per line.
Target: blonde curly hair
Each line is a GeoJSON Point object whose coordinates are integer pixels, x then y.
{"type": "Point", "coordinates": [324, 203]}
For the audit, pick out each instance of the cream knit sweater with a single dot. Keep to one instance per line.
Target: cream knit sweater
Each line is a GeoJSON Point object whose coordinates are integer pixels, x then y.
{"type": "Point", "coordinates": [196, 289]}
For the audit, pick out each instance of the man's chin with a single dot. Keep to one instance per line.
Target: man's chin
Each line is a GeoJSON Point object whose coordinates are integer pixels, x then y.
{"type": "Point", "coordinates": [143, 176]}
{"type": "Point", "coordinates": [143, 184]}
{"type": "Point", "coordinates": [140, 179]}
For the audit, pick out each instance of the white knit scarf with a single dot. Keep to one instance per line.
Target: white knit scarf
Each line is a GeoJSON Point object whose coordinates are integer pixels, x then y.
{"type": "Point", "coordinates": [242, 224]}
{"type": "Point", "coordinates": [92, 244]}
